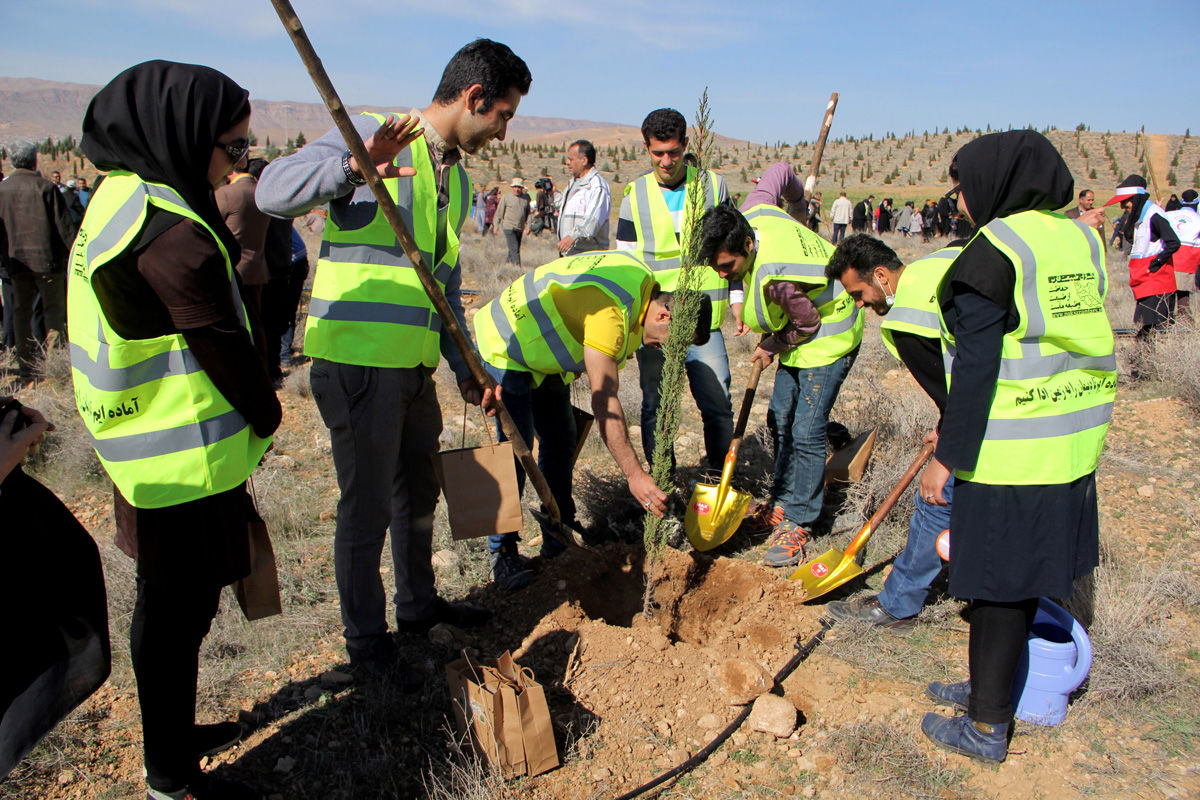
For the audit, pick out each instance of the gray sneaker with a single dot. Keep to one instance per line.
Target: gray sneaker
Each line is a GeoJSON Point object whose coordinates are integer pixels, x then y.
{"type": "Point", "coordinates": [510, 570]}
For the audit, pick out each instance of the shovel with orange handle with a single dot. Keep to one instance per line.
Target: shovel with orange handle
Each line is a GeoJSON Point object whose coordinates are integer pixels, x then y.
{"type": "Point", "coordinates": [834, 568]}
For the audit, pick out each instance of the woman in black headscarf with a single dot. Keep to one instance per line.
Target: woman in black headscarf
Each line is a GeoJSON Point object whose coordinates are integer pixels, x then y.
{"type": "Point", "coordinates": [1032, 383]}
{"type": "Point", "coordinates": [173, 131]}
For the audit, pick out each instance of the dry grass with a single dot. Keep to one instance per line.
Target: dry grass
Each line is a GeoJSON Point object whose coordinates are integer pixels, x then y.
{"type": "Point", "coordinates": [884, 761]}
{"type": "Point", "coordinates": [1132, 634]}
{"type": "Point", "coordinates": [1173, 357]}
{"type": "Point", "coordinates": [461, 774]}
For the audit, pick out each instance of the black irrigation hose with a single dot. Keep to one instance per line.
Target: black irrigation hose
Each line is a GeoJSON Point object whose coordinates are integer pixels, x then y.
{"type": "Point", "coordinates": [803, 652]}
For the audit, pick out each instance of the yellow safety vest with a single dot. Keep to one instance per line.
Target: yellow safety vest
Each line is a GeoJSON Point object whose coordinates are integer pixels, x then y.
{"type": "Point", "coordinates": [1058, 371]}
{"type": "Point", "coordinates": [163, 431]}
{"type": "Point", "coordinates": [522, 329]}
{"type": "Point", "coordinates": [916, 308]}
{"type": "Point", "coordinates": [658, 244]}
{"type": "Point", "coordinates": [368, 306]}
{"type": "Point", "coordinates": [788, 251]}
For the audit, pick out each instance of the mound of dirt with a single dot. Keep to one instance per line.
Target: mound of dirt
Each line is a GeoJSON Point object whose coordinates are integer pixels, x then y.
{"type": "Point", "coordinates": [648, 690]}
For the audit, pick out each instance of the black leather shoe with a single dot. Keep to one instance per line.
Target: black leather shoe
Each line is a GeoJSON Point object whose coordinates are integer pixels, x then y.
{"type": "Point", "coordinates": [460, 615]}
{"type": "Point", "coordinates": [867, 609]}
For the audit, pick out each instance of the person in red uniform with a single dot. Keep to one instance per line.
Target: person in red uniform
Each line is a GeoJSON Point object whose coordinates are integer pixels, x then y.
{"type": "Point", "coordinates": [1151, 275]}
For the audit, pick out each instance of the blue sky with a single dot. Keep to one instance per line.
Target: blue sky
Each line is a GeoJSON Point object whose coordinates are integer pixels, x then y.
{"type": "Point", "coordinates": [769, 66]}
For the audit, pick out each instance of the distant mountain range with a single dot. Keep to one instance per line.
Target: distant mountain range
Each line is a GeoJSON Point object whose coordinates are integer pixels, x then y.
{"type": "Point", "coordinates": [32, 108]}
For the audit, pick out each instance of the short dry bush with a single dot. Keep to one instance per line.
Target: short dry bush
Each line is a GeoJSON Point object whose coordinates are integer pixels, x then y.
{"type": "Point", "coordinates": [1173, 357]}
{"type": "Point", "coordinates": [461, 774]}
{"type": "Point", "coordinates": [66, 460]}
{"type": "Point", "coordinates": [1130, 634]}
{"type": "Point", "coordinates": [892, 765]}
{"type": "Point", "coordinates": [901, 414]}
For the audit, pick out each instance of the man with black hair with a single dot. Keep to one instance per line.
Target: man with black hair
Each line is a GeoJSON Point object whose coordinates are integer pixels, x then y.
{"type": "Point", "coordinates": [1087, 199]}
{"type": "Point", "coordinates": [905, 297]}
{"type": "Point", "coordinates": [583, 223]}
{"type": "Point", "coordinates": [655, 218]}
{"type": "Point", "coordinates": [38, 229]}
{"type": "Point", "coordinates": [374, 337]}
{"type": "Point", "coordinates": [249, 227]}
{"type": "Point", "coordinates": [864, 214]}
{"type": "Point", "coordinates": [584, 313]}
{"type": "Point", "coordinates": [812, 325]}
{"type": "Point", "coordinates": [840, 216]}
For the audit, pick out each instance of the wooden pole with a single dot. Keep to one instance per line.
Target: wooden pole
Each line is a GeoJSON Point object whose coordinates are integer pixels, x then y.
{"type": "Point", "coordinates": [810, 182]}
{"type": "Point", "coordinates": [354, 142]}
{"type": "Point", "coordinates": [1157, 194]}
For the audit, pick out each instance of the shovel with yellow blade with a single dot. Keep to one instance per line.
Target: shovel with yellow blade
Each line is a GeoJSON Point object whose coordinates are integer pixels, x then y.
{"type": "Point", "coordinates": [715, 512]}
{"type": "Point", "coordinates": [833, 568]}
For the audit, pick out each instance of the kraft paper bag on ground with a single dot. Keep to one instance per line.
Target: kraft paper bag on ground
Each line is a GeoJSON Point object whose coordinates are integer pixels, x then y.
{"type": "Point", "coordinates": [503, 709]}
{"type": "Point", "coordinates": [480, 484]}
{"type": "Point", "coordinates": [258, 592]}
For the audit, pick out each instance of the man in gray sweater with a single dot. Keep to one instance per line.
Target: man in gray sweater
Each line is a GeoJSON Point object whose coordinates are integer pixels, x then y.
{"type": "Point", "coordinates": [374, 337]}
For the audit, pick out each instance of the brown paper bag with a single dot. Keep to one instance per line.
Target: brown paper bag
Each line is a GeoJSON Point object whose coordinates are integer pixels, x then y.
{"type": "Point", "coordinates": [480, 484]}
{"type": "Point", "coordinates": [258, 592]}
{"type": "Point", "coordinates": [503, 709]}
{"type": "Point", "coordinates": [537, 732]}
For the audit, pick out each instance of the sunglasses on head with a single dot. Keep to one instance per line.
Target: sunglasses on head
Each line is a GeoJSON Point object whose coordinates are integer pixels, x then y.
{"type": "Point", "coordinates": [236, 149]}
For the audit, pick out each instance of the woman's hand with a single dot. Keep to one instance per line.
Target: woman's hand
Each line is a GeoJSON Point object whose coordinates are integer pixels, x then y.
{"type": "Point", "coordinates": [932, 480]}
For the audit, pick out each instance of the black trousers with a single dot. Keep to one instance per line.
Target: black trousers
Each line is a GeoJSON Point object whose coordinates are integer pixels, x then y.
{"type": "Point", "coordinates": [281, 300]}
{"type": "Point", "coordinates": [512, 236]}
{"type": "Point", "coordinates": [998, 633]}
{"type": "Point", "coordinates": [171, 617]}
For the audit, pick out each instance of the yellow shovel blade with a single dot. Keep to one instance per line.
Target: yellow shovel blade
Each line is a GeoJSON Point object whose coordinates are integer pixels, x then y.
{"type": "Point", "coordinates": [713, 516]}
{"type": "Point", "coordinates": [825, 573]}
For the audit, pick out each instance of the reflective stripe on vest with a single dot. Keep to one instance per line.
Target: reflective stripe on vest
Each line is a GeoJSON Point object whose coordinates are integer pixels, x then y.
{"type": "Point", "coordinates": [1054, 396]}
{"type": "Point", "coordinates": [368, 306]}
{"type": "Point", "coordinates": [916, 309]}
{"type": "Point", "coordinates": [659, 245]}
{"type": "Point", "coordinates": [525, 313]}
{"type": "Point", "coordinates": [162, 429]}
{"type": "Point", "coordinates": [789, 251]}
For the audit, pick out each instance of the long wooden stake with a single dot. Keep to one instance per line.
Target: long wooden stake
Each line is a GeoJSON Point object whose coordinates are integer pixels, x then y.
{"type": "Point", "coordinates": [354, 142]}
{"type": "Point", "coordinates": [810, 182]}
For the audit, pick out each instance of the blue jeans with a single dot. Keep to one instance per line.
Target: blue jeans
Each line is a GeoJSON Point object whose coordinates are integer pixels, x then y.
{"type": "Point", "coordinates": [544, 410]}
{"type": "Point", "coordinates": [708, 375]}
{"type": "Point", "coordinates": [797, 417]}
{"type": "Point", "coordinates": [839, 231]}
{"type": "Point", "coordinates": [906, 587]}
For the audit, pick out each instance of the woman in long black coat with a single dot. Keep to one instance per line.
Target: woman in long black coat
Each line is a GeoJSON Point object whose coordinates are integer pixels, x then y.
{"type": "Point", "coordinates": [1010, 544]}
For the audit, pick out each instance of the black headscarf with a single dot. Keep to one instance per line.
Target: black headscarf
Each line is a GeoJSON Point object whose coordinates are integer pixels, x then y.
{"type": "Point", "coordinates": [1011, 171]}
{"type": "Point", "coordinates": [160, 120]}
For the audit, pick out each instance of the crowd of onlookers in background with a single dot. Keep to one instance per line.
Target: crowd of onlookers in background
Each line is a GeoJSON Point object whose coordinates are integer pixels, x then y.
{"type": "Point", "coordinates": [40, 217]}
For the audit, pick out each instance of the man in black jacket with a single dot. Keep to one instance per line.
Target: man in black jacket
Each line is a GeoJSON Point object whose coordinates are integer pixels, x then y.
{"type": "Point", "coordinates": [39, 231]}
{"type": "Point", "coordinates": [862, 214]}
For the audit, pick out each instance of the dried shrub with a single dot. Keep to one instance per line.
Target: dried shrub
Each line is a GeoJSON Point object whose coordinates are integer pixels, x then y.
{"type": "Point", "coordinates": [1130, 634]}
{"type": "Point", "coordinates": [1173, 357]}
{"type": "Point", "coordinates": [891, 763]}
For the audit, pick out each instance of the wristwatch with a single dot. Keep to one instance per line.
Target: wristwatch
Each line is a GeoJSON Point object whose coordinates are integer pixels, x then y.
{"type": "Point", "coordinates": [354, 178]}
